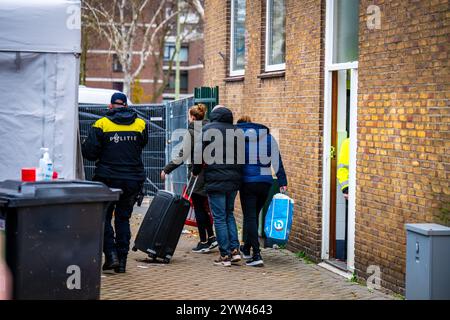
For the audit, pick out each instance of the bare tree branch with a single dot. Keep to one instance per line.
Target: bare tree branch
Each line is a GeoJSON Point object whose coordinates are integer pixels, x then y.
{"type": "Point", "coordinates": [145, 52]}
{"type": "Point", "coordinates": [133, 26]}
{"type": "Point", "coordinates": [199, 7]}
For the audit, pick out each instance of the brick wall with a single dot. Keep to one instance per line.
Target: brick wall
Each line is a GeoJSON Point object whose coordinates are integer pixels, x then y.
{"type": "Point", "coordinates": [195, 76]}
{"type": "Point", "coordinates": [291, 103]}
{"type": "Point", "coordinates": [99, 65]}
{"type": "Point", "coordinates": [403, 130]}
{"type": "Point", "coordinates": [403, 151]}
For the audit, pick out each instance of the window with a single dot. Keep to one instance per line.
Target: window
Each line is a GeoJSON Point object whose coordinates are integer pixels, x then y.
{"type": "Point", "coordinates": [275, 35]}
{"type": "Point", "coordinates": [346, 27]}
{"type": "Point", "coordinates": [169, 51]}
{"type": "Point", "coordinates": [183, 80]}
{"type": "Point", "coordinates": [118, 86]}
{"type": "Point", "coordinates": [237, 31]}
{"type": "Point", "coordinates": [116, 65]}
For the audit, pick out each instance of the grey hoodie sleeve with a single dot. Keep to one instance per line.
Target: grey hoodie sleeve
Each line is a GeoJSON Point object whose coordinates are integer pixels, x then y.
{"type": "Point", "coordinates": [182, 156]}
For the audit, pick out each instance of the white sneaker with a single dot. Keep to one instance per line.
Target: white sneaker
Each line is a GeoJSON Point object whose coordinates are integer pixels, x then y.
{"type": "Point", "coordinates": [223, 261]}
{"type": "Point", "coordinates": [235, 256]}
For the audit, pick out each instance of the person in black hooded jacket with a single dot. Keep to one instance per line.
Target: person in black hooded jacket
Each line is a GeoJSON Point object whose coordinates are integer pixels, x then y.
{"type": "Point", "coordinates": [222, 174]}
{"type": "Point", "coordinates": [116, 142]}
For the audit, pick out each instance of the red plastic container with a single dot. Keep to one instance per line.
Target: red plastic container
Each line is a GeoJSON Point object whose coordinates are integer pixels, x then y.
{"type": "Point", "coordinates": [28, 174]}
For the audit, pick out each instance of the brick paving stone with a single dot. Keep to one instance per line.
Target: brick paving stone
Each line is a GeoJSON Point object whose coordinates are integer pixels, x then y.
{"type": "Point", "coordinates": [193, 276]}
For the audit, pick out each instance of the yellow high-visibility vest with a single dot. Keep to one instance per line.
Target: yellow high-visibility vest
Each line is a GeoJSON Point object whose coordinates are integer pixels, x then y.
{"type": "Point", "coordinates": [343, 162]}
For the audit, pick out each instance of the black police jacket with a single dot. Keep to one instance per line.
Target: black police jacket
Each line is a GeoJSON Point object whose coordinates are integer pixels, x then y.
{"type": "Point", "coordinates": [116, 142]}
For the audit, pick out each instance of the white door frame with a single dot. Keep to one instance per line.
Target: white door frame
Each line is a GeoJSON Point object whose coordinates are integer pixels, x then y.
{"type": "Point", "coordinates": [329, 68]}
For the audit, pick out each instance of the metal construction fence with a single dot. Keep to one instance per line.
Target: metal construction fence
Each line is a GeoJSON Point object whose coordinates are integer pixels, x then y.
{"type": "Point", "coordinates": [154, 154]}
{"type": "Point", "coordinates": [176, 118]}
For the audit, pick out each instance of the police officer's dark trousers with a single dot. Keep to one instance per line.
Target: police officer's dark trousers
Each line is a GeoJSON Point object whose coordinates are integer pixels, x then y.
{"type": "Point", "coordinates": [119, 240]}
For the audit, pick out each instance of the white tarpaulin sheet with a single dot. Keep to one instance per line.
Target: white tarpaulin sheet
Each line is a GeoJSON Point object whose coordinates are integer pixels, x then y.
{"type": "Point", "coordinates": [39, 85]}
{"type": "Point", "coordinates": [40, 25]}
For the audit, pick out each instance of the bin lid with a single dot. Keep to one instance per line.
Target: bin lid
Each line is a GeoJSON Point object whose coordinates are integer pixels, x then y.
{"type": "Point", "coordinates": [24, 194]}
{"type": "Point", "coordinates": [428, 229]}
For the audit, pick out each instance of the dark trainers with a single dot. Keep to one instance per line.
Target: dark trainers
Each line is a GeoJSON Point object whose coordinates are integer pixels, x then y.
{"type": "Point", "coordinates": [202, 247]}
{"type": "Point", "coordinates": [223, 261]}
{"type": "Point", "coordinates": [245, 253]}
{"type": "Point", "coordinates": [235, 256]}
{"type": "Point", "coordinates": [255, 261]}
{"type": "Point", "coordinates": [212, 242]}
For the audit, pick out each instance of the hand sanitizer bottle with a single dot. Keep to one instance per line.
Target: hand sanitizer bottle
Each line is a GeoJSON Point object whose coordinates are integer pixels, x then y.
{"type": "Point", "coordinates": [45, 166]}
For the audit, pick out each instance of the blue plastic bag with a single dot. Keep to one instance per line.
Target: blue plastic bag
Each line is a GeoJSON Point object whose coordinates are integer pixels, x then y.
{"type": "Point", "coordinates": [278, 220]}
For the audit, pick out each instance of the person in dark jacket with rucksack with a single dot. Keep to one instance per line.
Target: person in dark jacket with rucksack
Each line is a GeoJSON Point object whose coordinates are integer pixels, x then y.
{"type": "Point", "coordinates": [199, 200]}
{"type": "Point", "coordinates": [222, 180]}
{"type": "Point", "coordinates": [115, 142]}
{"type": "Point", "coordinates": [257, 182]}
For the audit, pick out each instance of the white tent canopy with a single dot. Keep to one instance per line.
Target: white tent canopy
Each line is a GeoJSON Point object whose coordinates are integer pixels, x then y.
{"type": "Point", "coordinates": [40, 25]}
{"type": "Point", "coordinates": [39, 64]}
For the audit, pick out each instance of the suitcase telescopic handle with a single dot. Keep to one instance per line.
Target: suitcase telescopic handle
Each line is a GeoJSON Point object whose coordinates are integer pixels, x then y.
{"type": "Point", "coordinates": [192, 189]}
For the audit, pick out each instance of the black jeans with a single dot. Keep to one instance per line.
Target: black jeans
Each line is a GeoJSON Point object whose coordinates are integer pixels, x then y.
{"type": "Point", "coordinates": [201, 215]}
{"type": "Point", "coordinates": [253, 197]}
{"type": "Point", "coordinates": [123, 208]}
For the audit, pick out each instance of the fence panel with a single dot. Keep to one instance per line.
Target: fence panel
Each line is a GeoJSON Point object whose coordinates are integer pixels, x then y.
{"type": "Point", "coordinates": [176, 118]}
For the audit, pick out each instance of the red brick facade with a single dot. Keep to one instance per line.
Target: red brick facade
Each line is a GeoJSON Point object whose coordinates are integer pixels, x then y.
{"type": "Point", "coordinates": [403, 157]}
{"type": "Point", "coordinates": [100, 73]}
{"type": "Point", "coordinates": [403, 117]}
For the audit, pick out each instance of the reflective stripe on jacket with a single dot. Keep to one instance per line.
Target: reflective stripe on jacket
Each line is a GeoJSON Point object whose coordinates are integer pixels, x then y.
{"type": "Point", "coordinates": [116, 142]}
{"type": "Point", "coordinates": [343, 162]}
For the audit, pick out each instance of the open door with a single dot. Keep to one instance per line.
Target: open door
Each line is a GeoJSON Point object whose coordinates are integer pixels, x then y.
{"type": "Point", "coordinates": [340, 129]}
{"type": "Point", "coordinates": [340, 121]}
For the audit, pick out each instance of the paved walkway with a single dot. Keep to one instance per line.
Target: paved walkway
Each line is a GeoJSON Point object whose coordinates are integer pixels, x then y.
{"type": "Point", "coordinates": [193, 276]}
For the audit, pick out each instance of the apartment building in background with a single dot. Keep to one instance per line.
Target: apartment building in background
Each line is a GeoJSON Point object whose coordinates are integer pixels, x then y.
{"type": "Point", "coordinates": [103, 69]}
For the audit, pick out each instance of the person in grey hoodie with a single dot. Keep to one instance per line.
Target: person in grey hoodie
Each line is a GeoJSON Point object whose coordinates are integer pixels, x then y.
{"type": "Point", "coordinates": [199, 199]}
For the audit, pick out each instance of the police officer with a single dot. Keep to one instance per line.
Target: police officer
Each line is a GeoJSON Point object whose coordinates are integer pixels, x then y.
{"type": "Point", "coordinates": [116, 142]}
{"type": "Point", "coordinates": [343, 163]}
{"type": "Point", "coordinates": [343, 175]}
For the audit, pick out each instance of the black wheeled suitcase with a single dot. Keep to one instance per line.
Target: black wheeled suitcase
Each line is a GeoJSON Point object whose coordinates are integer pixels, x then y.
{"type": "Point", "coordinates": [163, 223]}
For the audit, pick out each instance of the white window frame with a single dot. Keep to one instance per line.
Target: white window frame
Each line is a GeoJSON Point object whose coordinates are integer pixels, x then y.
{"type": "Point", "coordinates": [237, 72]}
{"type": "Point", "coordinates": [272, 67]}
{"type": "Point", "coordinates": [329, 68]}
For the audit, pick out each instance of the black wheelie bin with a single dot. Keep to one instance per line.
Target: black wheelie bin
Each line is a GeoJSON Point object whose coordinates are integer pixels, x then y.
{"type": "Point", "coordinates": [54, 237]}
